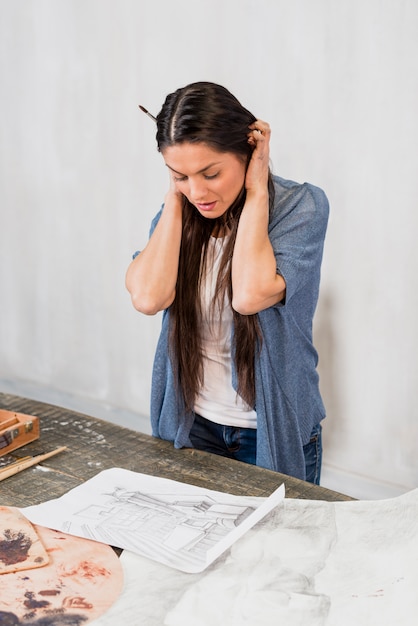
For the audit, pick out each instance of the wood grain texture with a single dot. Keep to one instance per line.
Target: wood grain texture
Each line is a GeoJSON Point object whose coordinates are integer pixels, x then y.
{"type": "Point", "coordinates": [94, 445]}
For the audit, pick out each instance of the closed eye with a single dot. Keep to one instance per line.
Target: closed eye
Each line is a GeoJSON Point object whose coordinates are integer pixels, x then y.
{"type": "Point", "coordinates": [181, 179]}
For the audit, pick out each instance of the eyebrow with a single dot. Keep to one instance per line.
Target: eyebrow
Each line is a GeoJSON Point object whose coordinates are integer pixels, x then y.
{"type": "Point", "coordinates": [199, 172]}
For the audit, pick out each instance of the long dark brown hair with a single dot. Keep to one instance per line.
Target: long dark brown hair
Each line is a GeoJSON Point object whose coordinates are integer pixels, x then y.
{"type": "Point", "coordinates": [207, 113]}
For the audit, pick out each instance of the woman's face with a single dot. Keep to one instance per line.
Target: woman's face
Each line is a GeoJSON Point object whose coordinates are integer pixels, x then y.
{"type": "Point", "coordinates": [209, 179]}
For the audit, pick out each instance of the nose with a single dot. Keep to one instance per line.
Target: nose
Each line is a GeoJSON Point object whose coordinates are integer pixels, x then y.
{"type": "Point", "coordinates": [198, 189]}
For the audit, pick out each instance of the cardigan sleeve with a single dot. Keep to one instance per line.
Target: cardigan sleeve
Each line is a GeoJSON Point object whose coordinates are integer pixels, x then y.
{"type": "Point", "coordinates": [151, 230]}
{"type": "Point", "coordinates": [297, 232]}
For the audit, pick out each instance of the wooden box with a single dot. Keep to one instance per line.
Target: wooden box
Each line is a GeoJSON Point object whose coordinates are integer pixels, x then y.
{"type": "Point", "coordinates": [16, 430]}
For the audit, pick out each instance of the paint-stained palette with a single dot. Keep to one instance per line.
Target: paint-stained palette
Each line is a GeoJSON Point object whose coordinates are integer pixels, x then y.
{"type": "Point", "coordinates": [80, 581]}
{"type": "Point", "coordinates": [20, 545]}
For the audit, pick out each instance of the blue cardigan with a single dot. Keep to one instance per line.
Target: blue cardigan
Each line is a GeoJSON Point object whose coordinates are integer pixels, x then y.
{"type": "Point", "coordinates": [288, 402]}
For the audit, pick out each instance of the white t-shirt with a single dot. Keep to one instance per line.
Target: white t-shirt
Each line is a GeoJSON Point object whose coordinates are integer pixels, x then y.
{"type": "Point", "coordinates": [217, 400]}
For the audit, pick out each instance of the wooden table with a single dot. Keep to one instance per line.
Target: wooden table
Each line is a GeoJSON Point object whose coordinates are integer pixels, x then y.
{"type": "Point", "coordinates": [94, 445]}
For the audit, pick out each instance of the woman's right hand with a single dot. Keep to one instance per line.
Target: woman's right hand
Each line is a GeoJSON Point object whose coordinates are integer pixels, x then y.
{"type": "Point", "coordinates": [152, 276]}
{"type": "Point", "coordinates": [173, 194]}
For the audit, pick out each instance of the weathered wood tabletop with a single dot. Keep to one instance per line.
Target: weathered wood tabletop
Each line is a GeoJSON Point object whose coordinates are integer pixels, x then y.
{"type": "Point", "coordinates": [94, 445]}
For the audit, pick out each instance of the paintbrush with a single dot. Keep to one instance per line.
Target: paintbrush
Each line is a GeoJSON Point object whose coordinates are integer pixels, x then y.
{"type": "Point", "coordinates": [144, 110]}
{"type": "Point", "coordinates": [20, 465]}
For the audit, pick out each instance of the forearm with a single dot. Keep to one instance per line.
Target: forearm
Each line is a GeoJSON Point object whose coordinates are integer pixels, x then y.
{"type": "Point", "coordinates": [151, 277]}
{"type": "Point", "coordinates": [255, 282]}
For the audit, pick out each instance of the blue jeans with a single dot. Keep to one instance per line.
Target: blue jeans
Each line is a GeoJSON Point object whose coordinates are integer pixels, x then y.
{"type": "Point", "coordinates": [241, 443]}
{"type": "Point", "coordinates": [313, 455]}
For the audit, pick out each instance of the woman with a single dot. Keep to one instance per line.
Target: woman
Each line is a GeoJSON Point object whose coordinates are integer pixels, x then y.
{"type": "Point", "coordinates": [234, 261]}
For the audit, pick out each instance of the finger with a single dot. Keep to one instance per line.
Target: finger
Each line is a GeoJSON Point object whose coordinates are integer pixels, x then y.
{"type": "Point", "coordinates": [256, 135]}
{"type": "Point", "coordinates": [261, 127]}
{"type": "Point", "coordinates": [258, 138]}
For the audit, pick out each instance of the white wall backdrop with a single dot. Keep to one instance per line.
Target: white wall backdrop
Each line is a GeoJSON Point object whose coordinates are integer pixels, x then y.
{"type": "Point", "coordinates": [81, 179]}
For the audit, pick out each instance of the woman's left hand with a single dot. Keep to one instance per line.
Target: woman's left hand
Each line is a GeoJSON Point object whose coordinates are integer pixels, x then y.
{"type": "Point", "coordinates": [256, 285]}
{"type": "Point", "coordinates": [258, 168]}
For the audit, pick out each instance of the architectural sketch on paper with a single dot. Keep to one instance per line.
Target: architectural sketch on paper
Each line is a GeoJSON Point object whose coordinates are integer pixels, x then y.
{"type": "Point", "coordinates": [189, 525]}
{"type": "Point", "coordinates": [174, 523]}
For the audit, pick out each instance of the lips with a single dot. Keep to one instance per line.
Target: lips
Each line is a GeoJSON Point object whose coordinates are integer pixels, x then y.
{"type": "Point", "coordinates": [206, 206]}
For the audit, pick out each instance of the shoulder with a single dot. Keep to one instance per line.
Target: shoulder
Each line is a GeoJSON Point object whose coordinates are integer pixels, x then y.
{"type": "Point", "coordinates": [288, 194]}
{"type": "Point", "coordinates": [299, 215]}
{"type": "Point", "coordinates": [297, 204]}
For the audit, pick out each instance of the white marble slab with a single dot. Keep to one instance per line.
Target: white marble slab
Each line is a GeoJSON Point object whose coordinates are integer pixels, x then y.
{"type": "Point", "coordinates": [309, 563]}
